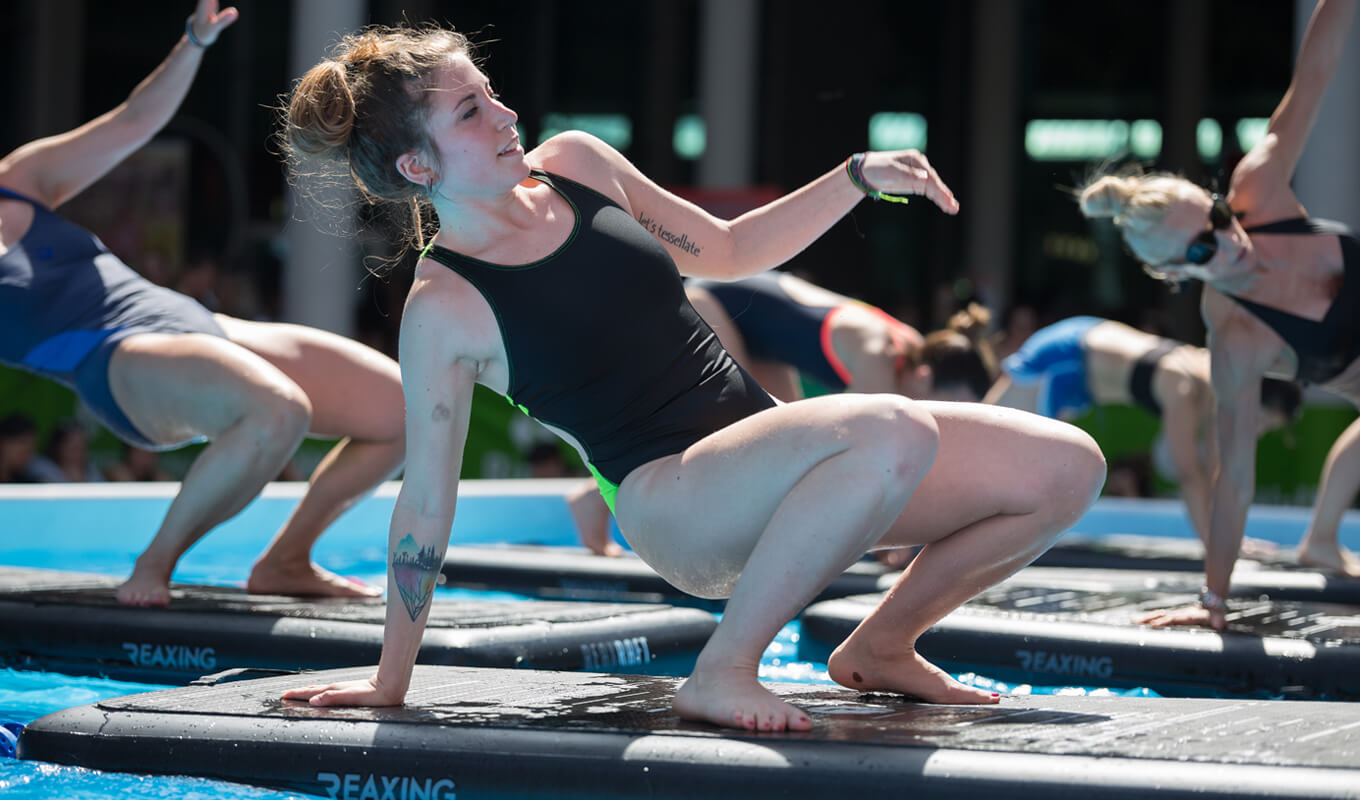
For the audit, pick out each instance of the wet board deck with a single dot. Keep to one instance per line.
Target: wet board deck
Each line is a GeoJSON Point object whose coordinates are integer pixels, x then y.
{"type": "Point", "coordinates": [1249, 580]}
{"type": "Point", "coordinates": [1054, 636]}
{"type": "Point", "coordinates": [1138, 551]}
{"type": "Point", "coordinates": [484, 733]}
{"type": "Point", "coordinates": [70, 622]}
{"type": "Point", "coordinates": [575, 573]}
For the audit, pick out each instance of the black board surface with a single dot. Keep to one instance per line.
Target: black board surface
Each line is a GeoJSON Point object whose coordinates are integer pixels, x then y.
{"type": "Point", "coordinates": [483, 733]}
{"type": "Point", "coordinates": [70, 622]}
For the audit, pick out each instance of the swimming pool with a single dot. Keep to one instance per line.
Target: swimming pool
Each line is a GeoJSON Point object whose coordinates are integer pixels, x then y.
{"type": "Point", "coordinates": [68, 527]}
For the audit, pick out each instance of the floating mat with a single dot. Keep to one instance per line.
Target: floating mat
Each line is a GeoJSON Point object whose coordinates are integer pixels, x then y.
{"type": "Point", "coordinates": [1250, 580]}
{"type": "Point", "coordinates": [480, 733]}
{"type": "Point", "coordinates": [69, 622]}
{"type": "Point", "coordinates": [577, 574]}
{"type": "Point", "coordinates": [1050, 636]}
{"type": "Point", "coordinates": [1136, 551]}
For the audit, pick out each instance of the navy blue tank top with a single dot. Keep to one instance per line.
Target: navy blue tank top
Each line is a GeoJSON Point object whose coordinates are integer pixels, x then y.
{"type": "Point", "coordinates": [1324, 348]}
{"type": "Point", "coordinates": [62, 293]}
{"type": "Point", "coordinates": [602, 344]}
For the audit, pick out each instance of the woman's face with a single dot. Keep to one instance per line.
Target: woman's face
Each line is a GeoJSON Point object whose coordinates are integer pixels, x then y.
{"type": "Point", "coordinates": [1203, 237]}
{"type": "Point", "coordinates": [473, 134]}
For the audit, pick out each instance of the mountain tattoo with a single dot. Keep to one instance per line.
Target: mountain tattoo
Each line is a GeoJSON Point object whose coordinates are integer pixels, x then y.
{"type": "Point", "coordinates": [415, 570]}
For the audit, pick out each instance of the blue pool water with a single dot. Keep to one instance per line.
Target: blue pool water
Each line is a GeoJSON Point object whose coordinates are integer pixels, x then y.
{"type": "Point", "coordinates": [101, 530]}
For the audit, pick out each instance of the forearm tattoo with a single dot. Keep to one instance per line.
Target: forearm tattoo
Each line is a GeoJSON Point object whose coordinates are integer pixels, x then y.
{"type": "Point", "coordinates": [678, 240]}
{"type": "Point", "coordinates": [415, 570]}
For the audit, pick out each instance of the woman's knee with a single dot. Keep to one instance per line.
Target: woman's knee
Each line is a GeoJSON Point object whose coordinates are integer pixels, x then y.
{"type": "Point", "coordinates": [1076, 474]}
{"type": "Point", "coordinates": [899, 436]}
{"type": "Point", "coordinates": [279, 416]}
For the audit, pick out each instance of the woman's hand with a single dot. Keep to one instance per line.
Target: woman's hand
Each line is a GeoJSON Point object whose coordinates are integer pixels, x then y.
{"type": "Point", "coordinates": [907, 172]}
{"type": "Point", "coordinates": [208, 23]}
{"type": "Point", "coordinates": [350, 693]}
{"type": "Point", "coordinates": [1187, 615]}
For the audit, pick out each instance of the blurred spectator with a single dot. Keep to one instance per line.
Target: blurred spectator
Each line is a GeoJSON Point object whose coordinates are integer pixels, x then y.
{"type": "Point", "coordinates": [67, 457]}
{"type": "Point", "coordinates": [1129, 475]}
{"type": "Point", "coordinates": [546, 461]}
{"type": "Point", "coordinates": [137, 465]}
{"type": "Point", "coordinates": [1021, 321]}
{"type": "Point", "coordinates": [18, 443]}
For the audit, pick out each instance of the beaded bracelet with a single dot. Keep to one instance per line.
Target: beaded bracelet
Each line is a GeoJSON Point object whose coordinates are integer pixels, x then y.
{"type": "Point", "coordinates": [189, 31]}
{"type": "Point", "coordinates": [854, 165]}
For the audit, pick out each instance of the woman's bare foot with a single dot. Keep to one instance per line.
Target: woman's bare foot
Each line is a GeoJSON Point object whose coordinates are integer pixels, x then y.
{"type": "Point", "coordinates": [734, 698]}
{"type": "Point", "coordinates": [905, 672]}
{"type": "Point", "coordinates": [1331, 557]}
{"type": "Point", "coordinates": [591, 515]}
{"type": "Point", "coordinates": [304, 580]}
{"type": "Point", "coordinates": [144, 590]}
{"type": "Point", "coordinates": [149, 583]}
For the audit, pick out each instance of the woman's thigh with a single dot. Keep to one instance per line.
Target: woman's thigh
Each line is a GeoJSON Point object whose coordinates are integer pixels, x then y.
{"type": "Point", "coordinates": [180, 386]}
{"type": "Point", "coordinates": [718, 496]}
{"type": "Point", "coordinates": [354, 390]}
{"type": "Point", "coordinates": [997, 461]}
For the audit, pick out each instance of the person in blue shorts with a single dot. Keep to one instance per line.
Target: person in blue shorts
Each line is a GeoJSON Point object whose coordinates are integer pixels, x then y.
{"type": "Point", "coordinates": [1064, 369]}
{"type": "Point", "coordinates": [160, 370]}
{"type": "Point", "coordinates": [555, 281]}
{"type": "Point", "coordinates": [1281, 296]}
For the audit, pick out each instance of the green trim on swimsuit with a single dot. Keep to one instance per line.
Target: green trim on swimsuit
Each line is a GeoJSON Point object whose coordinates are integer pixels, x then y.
{"type": "Point", "coordinates": [608, 489]}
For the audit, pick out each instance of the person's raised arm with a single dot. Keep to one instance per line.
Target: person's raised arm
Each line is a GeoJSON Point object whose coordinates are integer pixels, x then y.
{"type": "Point", "coordinates": [1319, 54]}
{"type": "Point", "coordinates": [706, 246]}
{"type": "Point", "coordinates": [438, 384]}
{"type": "Point", "coordinates": [54, 169]}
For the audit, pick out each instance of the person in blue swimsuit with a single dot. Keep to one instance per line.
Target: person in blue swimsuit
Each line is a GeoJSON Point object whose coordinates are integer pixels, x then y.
{"type": "Point", "coordinates": [1281, 297]}
{"type": "Point", "coordinates": [160, 370]}
{"type": "Point", "coordinates": [1066, 368]}
{"type": "Point", "coordinates": [555, 280]}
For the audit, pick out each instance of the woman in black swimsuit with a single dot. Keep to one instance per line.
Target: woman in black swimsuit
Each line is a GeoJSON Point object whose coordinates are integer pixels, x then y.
{"type": "Point", "coordinates": [554, 279]}
{"type": "Point", "coordinates": [1279, 298]}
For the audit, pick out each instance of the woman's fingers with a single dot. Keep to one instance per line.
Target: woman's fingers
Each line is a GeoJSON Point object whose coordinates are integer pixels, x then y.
{"type": "Point", "coordinates": [908, 172]}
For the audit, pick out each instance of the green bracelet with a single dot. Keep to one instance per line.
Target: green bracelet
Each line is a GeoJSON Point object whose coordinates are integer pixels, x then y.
{"type": "Point", "coordinates": [854, 166]}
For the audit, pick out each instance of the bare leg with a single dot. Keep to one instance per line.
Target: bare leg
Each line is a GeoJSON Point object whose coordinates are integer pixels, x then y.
{"type": "Point", "coordinates": [176, 387]}
{"type": "Point", "coordinates": [591, 516]}
{"type": "Point", "coordinates": [1340, 481]}
{"type": "Point", "coordinates": [355, 392]}
{"type": "Point", "coordinates": [771, 509]}
{"type": "Point", "coordinates": [1004, 485]}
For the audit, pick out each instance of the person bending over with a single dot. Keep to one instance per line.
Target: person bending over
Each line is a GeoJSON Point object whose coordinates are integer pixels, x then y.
{"type": "Point", "coordinates": [1066, 368]}
{"type": "Point", "coordinates": [160, 371]}
{"type": "Point", "coordinates": [1281, 294]}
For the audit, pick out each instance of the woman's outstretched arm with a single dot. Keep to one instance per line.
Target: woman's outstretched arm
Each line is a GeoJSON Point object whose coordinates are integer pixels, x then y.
{"type": "Point", "coordinates": [706, 246]}
{"type": "Point", "coordinates": [54, 169]}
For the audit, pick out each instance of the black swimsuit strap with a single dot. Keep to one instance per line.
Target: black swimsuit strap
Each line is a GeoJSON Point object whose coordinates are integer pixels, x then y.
{"type": "Point", "coordinates": [1301, 225]}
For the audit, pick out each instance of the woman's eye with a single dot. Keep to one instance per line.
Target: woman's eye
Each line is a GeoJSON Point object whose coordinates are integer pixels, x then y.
{"type": "Point", "coordinates": [470, 113]}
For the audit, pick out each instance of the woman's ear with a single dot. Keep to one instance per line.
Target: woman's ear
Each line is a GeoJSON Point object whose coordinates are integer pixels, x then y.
{"type": "Point", "coordinates": [413, 168]}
